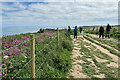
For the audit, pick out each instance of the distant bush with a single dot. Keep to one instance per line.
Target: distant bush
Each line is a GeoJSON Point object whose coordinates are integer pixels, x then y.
{"type": "Point", "coordinates": [41, 31]}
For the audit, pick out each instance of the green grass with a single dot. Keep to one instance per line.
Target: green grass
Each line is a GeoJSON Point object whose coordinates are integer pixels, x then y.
{"type": "Point", "coordinates": [111, 50]}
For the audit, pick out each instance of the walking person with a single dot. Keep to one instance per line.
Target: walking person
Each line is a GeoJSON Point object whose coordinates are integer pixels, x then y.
{"type": "Point", "coordinates": [101, 32]}
{"type": "Point", "coordinates": [69, 29]}
{"type": "Point", "coordinates": [80, 30]}
{"type": "Point", "coordinates": [108, 31]}
{"type": "Point", "coordinates": [75, 32]}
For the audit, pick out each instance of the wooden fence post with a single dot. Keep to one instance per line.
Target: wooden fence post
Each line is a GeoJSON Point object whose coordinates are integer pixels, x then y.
{"type": "Point", "coordinates": [32, 36]}
{"type": "Point", "coordinates": [57, 34]}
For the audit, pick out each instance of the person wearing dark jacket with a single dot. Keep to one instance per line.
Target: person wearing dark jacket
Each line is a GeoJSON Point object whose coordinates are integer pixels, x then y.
{"type": "Point", "coordinates": [75, 32]}
{"type": "Point", "coordinates": [80, 30]}
{"type": "Point", "coordinates": [108, 31]}
{"type": "Point", "coordinates": [101, 32]}
{"type": "Point", "coordinates": [69, 29]}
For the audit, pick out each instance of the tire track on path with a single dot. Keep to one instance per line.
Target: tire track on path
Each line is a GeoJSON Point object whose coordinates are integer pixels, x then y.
{"type": "Point", "coordinates": [76, 71]}
{"type": "Point", "coordinates": [95, 36]}
{"type": "Point", "coordinates": [114, 57]}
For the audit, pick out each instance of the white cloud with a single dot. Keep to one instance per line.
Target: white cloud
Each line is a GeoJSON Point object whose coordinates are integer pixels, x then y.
{"type": "Point", "coordinates": [59, 1]}
{"type": "Point", "coordinates": [15, 6]}
{"type": "Point", "coordinates": [68, 13]}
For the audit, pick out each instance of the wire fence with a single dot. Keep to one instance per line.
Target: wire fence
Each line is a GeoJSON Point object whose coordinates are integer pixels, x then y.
{"type": "Point", "coordinates": [32, 58]}
{"type": "Point", "coordinates": [36, 54]}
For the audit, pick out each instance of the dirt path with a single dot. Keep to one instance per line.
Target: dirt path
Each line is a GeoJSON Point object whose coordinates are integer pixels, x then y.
{"type": "Point", "coordinates": [96, 36]}
{"type": "Point", "coordinates": [114, 57]}
{"type": "Point", "coordinates": [104, 44]}
{"type": "Point", "coordinates": [76, 71]}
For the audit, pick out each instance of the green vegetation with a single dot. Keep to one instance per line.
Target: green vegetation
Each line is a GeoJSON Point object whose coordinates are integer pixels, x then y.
{"type": "Point", "coordinates": [52, 57]}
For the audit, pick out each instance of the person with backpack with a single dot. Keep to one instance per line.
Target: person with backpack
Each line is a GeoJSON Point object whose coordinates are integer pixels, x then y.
{"type": "Point", "coordinates": [75, 32]}
{"type": "Point", "coordinates": [108, 31]}
{"type": "Point", "coordinates": [101, 32]}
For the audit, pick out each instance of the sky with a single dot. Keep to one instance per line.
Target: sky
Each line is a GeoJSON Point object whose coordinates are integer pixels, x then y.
{"type": "Point", "coordinates": [31, 15]}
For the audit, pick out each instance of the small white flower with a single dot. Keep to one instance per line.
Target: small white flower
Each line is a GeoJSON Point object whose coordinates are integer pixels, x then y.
{"type": "Point", "coordinates": [25, 56]}
{"type": "Point", "coordinates": [5, 57]}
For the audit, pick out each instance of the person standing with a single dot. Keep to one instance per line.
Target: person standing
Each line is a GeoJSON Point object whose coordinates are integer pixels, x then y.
{"type": "Point", "coordinates": [69, 29]}
{"type": "Point", "coordinates": [108, 31]}
{"type": "Point", "coordinates": [75, 32]}
{"type": "Point", "coordinates": [101, 32]}
{"type": "Point", "coordinates": [80, 30]}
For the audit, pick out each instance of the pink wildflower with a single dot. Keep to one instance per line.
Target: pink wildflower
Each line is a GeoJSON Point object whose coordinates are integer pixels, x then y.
{"type": "Point", "coordinates": [3, 64]}
{"type": "Point", "coordinates": [4, 47]}
{"type": "Point", "coordinates": [4, 68]}
{"type": "Point", "coordinates": [5, 74]}
{"type": "Point", "coordinates": [50, 36]}
{"type": "Point", "coordinates": [0, 73]}
{"type": "Point", "coordinates": [11, 67]}
{"type": "Point", "coordinates": [40, 41]}
{"type": "Point", "coordinates": [11, 50]}
{"type": "Point", "coordinates": [27, 44]}
{"type": "Point", "coordinates": [6, 44]}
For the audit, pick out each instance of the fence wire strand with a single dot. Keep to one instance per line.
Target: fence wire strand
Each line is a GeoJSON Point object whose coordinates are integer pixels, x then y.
{"type": "Point", "coordinates": [43, 61]}
{"type": "Point", "coordinates": [35, 55]}
{"type": "Point", "coordinates": [32, 59]}
{"type": "Point", "coordinates": [19, 44]}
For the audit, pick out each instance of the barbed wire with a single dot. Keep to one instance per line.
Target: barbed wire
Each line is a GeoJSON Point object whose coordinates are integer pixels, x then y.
{"type": "Point", "coordinates": [31, 59]}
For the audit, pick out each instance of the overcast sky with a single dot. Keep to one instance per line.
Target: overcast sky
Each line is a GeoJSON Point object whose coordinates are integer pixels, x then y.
{"type": "Point", "coordinates": [58, 12]}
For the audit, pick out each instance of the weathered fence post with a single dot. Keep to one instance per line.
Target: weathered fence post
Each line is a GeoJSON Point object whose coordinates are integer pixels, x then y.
{"type": "Point", "coordinates": [57, 34]}
{"type": "Point", "coordinates": [32, 36]}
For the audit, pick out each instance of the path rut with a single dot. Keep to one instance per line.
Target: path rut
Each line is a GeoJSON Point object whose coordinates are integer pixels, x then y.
{"type": "Point", "coordinates": [76, 70]}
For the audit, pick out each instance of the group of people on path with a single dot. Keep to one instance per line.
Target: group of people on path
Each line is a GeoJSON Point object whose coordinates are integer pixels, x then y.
{"type": "Point", "coordinates": [75, 31]}
{"type": "Point", "coordinates": [101, 31]}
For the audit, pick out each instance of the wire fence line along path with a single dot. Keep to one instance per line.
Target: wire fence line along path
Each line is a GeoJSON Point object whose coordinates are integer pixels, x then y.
{"type": "Point", "coordinates": [32, 60]}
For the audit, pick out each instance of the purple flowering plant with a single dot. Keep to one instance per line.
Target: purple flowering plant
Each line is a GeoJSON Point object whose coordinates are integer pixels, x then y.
{"type": "Point", "coordinates": [17, 51]}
